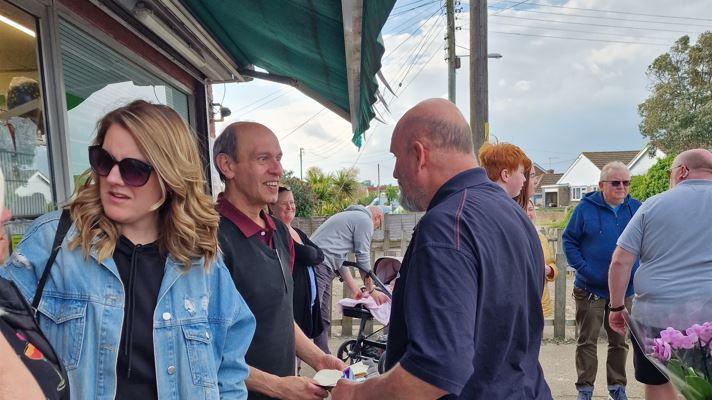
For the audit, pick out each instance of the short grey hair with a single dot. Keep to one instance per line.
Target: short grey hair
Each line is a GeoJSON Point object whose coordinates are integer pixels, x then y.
{"type": "Point", "coordinates": [443, 134]}
{"type": "Point", "coordinates": [226, 143]}
{"type": "Point", "coordinates": [612, 166]}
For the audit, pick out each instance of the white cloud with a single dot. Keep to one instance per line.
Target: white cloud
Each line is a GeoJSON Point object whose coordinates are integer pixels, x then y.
{"type": "Point", "coordinates": [522, 86]}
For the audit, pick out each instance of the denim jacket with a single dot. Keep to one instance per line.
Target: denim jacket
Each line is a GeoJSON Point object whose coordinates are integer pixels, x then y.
{"type": "Point", "coordinates": [202, 326]}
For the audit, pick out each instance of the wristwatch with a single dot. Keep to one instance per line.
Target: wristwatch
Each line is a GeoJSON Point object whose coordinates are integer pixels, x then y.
{"type": "Point", "coordinates": [616, 309]}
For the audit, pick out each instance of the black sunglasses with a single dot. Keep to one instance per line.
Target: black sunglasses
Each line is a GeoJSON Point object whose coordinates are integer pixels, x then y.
{"type": "Point", "coordinates": [134, 172]}
{"type": "Point", "coordinates": [618, 183]}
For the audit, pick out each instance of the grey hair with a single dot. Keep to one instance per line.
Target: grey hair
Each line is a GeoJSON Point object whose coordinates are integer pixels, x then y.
{"type": "Point", "coordinates": [226, 144]}
{"type": "Point", "coordinates": [613, 165]}
{"type": "Point", "coordinates": [443, 134]}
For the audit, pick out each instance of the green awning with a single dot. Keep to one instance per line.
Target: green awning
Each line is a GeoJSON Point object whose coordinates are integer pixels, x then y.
{"type": "Point", "coordinates": [331, 50]}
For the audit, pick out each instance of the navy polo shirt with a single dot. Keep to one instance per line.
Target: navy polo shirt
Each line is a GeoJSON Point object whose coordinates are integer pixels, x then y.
{"type": "Point", "coordinates": [466, 314]}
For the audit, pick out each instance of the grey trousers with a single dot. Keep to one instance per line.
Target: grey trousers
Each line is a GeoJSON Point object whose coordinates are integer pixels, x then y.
{"type": "Point", "coordinates": [324, 276]}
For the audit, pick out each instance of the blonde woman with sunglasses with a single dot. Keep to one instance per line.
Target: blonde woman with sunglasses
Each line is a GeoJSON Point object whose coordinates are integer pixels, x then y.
{"type": "Point", "coordinates": [138, 303]}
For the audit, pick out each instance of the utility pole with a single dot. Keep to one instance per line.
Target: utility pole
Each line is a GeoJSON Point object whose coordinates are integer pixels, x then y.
{"type": "Point", "coordinates": [478, 73]}
{"type": "Point", "coordinates": [301, 168]}
{"type": "Point", "coordinates": [451, 57]}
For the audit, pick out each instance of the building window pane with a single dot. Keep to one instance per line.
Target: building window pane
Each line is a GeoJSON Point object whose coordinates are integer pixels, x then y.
{"type": "Point", "coordinates": [23, 144]}
{"type": "Point", "coordinates": [97, 80]}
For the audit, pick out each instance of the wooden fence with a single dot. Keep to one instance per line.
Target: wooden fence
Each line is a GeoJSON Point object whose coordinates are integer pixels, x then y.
{"type": "Point", "coordinates": [392, 240]}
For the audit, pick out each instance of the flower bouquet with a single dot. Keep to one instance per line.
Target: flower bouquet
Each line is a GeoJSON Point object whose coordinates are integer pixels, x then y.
{"type": "Point", "coordinates": [682, 350]}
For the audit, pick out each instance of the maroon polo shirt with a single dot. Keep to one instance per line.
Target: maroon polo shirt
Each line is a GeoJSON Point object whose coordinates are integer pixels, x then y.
{"type": "Point", "coordinates": [249, 228]}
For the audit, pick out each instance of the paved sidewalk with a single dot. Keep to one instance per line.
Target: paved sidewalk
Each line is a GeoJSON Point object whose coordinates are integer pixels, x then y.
{"type": "Point", "coordinates": [557, 360]}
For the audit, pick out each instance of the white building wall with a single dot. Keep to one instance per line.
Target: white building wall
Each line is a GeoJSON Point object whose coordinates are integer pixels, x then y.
{"type": "Point", "coordinates": [581, 173]}
{"type": "Point", "coordinates": [644, 162]}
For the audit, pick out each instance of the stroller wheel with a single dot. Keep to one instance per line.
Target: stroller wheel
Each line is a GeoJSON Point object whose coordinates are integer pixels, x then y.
{"type": "Point", "coordinates": [347, 352]}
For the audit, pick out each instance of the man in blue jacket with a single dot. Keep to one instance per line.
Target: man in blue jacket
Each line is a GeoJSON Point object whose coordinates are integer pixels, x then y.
{"type": "Point", "coordinates": [589, 241]}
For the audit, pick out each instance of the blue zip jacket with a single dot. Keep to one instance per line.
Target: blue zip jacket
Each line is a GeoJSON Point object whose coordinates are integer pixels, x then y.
{"type": "Point", "coordinates": [202, 326]}
{"type": "Point", "coordinates": [590, 238]}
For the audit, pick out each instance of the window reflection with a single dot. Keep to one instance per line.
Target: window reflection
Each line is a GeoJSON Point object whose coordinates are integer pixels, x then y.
{"type": "Point", "coordinates": [23, 145]}
{"type": "Point", "coordinates": [97, 80]}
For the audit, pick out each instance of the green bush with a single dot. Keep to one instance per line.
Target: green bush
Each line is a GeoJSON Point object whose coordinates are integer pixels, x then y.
{"type": "Point", "coordinates": [655, 181]}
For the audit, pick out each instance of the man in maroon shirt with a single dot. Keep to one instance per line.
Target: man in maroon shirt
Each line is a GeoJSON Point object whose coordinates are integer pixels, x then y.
{"type": "Point", "coordinates": [259, 252]}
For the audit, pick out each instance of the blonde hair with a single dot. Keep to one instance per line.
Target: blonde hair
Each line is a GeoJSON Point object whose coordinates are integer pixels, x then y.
{"type": "Point", "coordinates": [187, 218]}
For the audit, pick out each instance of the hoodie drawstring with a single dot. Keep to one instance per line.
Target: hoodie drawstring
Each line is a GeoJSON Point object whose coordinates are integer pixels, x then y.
{"type": "Point", "coordinates": [130, 307]}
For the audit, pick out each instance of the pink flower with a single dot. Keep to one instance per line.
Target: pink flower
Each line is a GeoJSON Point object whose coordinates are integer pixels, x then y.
{"type": "Point", "coordinates": [677, 340]}
{"type": "Point", "coordinates": [703, 332]}
{"type": "Point", "coordinates": [661, 350]}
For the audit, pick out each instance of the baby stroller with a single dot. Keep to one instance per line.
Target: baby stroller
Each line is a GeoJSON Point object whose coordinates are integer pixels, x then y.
{"type": "Point", "coordinates": [369, 347]}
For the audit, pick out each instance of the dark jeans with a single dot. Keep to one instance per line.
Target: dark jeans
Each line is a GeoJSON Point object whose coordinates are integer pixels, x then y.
{"type": "Point", "coordinates": [324, 276]}
{"type": "Point", "coordinates": [591, 314]}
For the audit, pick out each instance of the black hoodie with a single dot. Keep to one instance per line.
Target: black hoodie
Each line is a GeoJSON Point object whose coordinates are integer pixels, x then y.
{"type": "Point", "coordinates": [141, 269]}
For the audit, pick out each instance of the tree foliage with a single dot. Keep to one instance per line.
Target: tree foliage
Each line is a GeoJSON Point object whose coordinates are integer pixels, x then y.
{"type": "Point", "coordinates": [678, 113]}
{"type": "Point", "coordinates": [655, 181]}
{"type": "Point", "coordinates": [304, 197]}
{"type": "Point", "coordinates": [392, 193]}
{"type": "Point", "coordinates": [334, 192]}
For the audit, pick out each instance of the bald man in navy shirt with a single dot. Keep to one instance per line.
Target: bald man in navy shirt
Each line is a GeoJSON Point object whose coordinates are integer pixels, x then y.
{"type": "Point", "coordinates": [466, 319]}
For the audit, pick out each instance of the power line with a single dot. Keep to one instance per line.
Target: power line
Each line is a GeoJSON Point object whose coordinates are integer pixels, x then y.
{"type": "Point", "coordinates": [409, 10]}
{"type": "Point", "coordinates": [580, 39]}
{"type": "Point", "coordinates": [419, 71]}
{"type": "Point", "coordinates": [426, 41]}
{"type": "Point", "coordinates": [417, 17]}
{"type": "Point", "coordinates": [302, 124]}
{"type": "Point", "coordinates": [598, 17]}
{"type": "Point", "coordinates": [257, 107]}
{"type": "Point", "coordinates": [402, 6]}
{"type": "Point", "coordinates": [507, 8]}
{"type": "Point", "coordinates": [260, 99]}
{"type": "Point", "coordinates": [623, 35]}
{"type": "Point", "coordinates": [613, 11]}
{"type": "Point", "coordinates": [592, 24]}
{"type": "Point", "coordinates": [412, 33]}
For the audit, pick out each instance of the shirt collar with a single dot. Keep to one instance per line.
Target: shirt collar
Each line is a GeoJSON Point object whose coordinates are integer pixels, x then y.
{"type": "Point", "coordinates": [465, 179]}
{"type": "Point", "coordinates": [247, 226]}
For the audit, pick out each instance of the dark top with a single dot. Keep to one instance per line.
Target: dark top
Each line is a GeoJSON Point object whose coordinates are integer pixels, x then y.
{"type": "Point", "coordinates": [262, 276]}
{"type": "Point", "coordinates": [306, 315]}
{"type": "Point", "coordinates": [466, 314]}
{"type": "Point", "coordinates": [141, 270]}
{"type": "Point", "coordinates": [249, 228]}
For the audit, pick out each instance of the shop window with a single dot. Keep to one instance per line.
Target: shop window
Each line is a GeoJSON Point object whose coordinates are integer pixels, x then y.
{"type": "Point", "coordinates": [23, 140]}
{"type": "Point", "coordinates": [97, 80]}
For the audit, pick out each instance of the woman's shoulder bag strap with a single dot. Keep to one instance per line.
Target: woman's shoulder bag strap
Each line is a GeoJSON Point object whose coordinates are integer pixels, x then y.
{"type": "Point", "coordinates": [65, 222]}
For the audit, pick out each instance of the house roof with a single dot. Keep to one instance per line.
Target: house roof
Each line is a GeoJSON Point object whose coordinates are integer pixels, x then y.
{"type": "Point", "coordinates": [550, 179]}
{"type": "Point", "coordinates": [601, 158]}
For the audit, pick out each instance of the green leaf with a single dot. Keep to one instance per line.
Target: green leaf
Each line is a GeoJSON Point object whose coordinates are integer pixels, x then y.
{"type": "Point", "coordinates": [701, 388]}
{"type": "Point", "coordinates": [675, 367]}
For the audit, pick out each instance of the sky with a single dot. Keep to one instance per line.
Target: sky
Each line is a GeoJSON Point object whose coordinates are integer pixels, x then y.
{"type": "Point", "coordinates": [560, 87]}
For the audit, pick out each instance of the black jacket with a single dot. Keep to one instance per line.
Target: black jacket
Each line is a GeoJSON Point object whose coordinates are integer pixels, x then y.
{"type": "Point", "coordinates": [306, 255]}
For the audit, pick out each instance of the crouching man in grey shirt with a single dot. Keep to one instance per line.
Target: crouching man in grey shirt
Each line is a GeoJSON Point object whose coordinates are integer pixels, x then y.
{"type": "Point", "coordinates": [349, 231]}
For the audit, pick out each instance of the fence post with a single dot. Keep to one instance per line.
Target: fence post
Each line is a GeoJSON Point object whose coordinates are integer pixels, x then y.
{"type": "Point", "coordinates": [560, 291]}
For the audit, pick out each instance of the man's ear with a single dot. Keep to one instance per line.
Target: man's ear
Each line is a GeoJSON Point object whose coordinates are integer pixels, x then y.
{"type": "Point", "coordinates": [225, 164]}
{"type": "Point", "coordinates": [504, 175]}
{"type": "Point", "coordinates": [421, 154]}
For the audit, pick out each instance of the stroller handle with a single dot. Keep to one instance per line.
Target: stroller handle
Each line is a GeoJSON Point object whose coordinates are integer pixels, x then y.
{"type": "Point", "coordinates": [371, 275]}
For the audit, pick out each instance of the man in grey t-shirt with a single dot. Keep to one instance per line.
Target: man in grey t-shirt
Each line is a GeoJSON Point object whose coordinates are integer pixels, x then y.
{"type": "Point", "coordinates": [673, 285]}
{"type": "Point", "coordinates": [349, 231]}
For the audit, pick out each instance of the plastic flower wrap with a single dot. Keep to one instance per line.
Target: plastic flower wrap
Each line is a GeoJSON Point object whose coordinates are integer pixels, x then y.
{"type": "Point", "coordinates": [677, 339]}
